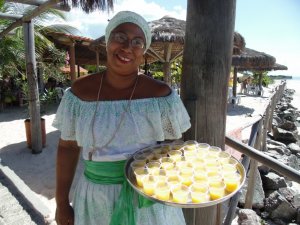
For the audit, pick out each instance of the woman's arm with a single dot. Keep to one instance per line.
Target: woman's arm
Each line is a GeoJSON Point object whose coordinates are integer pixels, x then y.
{"type": "Point", "coordinates": [66, 162]}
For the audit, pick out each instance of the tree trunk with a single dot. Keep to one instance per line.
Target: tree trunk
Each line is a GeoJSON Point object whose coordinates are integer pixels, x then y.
{"type": "Point", "coordinates": [206, 68]}
{"type": "Point", "coordinates": [33, 95]}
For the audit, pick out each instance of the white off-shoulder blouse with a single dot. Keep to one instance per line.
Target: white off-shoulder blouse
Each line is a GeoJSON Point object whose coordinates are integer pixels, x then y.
{"type": "Point", "coordinates": [147, 121]}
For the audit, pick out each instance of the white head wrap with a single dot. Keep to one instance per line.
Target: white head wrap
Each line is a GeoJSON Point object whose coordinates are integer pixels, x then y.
{"type": "Point", "coordinates": [129, 17]}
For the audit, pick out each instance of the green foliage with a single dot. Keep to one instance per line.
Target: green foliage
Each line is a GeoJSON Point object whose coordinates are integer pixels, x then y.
{"type": "Point", "coordinates": [176, 71]}
{"type": "Point", "coordinates": [265, 79]}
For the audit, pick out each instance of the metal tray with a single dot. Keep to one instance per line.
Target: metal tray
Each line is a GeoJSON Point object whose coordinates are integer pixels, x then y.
{"type": "Point", "coordinates": [132, 181]}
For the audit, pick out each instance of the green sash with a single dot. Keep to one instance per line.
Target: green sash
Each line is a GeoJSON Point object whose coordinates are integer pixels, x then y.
{"type": "Point", "coordinates": [113, 173]}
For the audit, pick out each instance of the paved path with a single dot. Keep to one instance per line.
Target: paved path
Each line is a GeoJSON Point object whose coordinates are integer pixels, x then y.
{"type": "Point", "coordinates": [14, 209]}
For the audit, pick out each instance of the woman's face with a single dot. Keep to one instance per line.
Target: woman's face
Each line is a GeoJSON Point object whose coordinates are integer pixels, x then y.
{"type": "Point", "coordinates": [125, 49]}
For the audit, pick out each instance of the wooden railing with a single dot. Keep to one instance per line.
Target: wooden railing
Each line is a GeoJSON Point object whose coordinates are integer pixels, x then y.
{"type": "Point", "coordinates": [253, 154]}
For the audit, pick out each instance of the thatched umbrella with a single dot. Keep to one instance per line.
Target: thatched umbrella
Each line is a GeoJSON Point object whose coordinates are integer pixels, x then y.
{"type": "Point", "coordinates": [79, 48]}
{"type": "Point", "coordinates": [250, 59]}
{"type": "Point", "coordinates": [168, 41]}
{"type": "Point", "coordinates": [99, 47]}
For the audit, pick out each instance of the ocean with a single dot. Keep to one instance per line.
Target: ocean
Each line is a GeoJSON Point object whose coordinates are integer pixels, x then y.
{"type": "Point", "coordinates": [295, 84]}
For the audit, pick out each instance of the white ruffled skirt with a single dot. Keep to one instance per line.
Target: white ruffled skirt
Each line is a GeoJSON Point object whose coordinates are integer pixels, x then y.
{"type": "Point", "coordinates": [94, 203]}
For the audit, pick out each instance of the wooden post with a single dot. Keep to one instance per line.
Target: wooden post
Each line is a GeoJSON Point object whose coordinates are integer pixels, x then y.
{"type": "Point", "coordinates": [72, 62]}
{"type": "Point", "coordinates": [206, 69]}
{"type": "Point", "coordinates": [234, 86]}
{"type": "Point", "coordinates": [253, 170]}
{"type": "Point", "coordinates": [34, 102]}
{"type": "Point", "coordinates": [97, 60]}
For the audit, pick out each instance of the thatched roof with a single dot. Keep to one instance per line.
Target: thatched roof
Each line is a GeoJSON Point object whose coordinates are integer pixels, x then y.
{"type": "Point", "coordinates": [251, 59]}
{"type": "Point", "coordinates": [168, 29]}
{"type": "Point", "coordinates": [168, 39]}
{"type": "Point", "coordinates": [238, 43]}
{"type": "Point", "coordinates": [83, 54]}
{"type": "Point", "coordinates": [278, 66]}
{"type": "Point", "coordinates": [91, 5]}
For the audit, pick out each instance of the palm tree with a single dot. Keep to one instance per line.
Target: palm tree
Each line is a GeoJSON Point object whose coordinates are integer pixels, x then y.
{"type": "Point", "coordinates": [42, 45]}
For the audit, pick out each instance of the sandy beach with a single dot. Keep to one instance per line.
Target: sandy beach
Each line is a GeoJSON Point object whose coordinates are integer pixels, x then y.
{"type": "Point", "coordinates": [38, 170]}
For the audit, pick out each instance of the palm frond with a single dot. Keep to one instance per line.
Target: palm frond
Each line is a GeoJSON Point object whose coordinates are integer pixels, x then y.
{"type": "Point", "coordinates": [91, 5]}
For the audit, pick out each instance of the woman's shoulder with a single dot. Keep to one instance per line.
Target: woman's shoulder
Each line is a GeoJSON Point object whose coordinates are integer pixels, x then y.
{"type": "Point", "coordinates": [151, 88]}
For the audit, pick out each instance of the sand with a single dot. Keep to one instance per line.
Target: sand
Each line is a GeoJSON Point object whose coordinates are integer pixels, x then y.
{"type": "Point", "coordinates": [38, 170]}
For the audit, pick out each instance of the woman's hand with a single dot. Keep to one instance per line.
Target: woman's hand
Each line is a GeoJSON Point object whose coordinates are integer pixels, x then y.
{"type": "Point", "coordinates": [64, 215]}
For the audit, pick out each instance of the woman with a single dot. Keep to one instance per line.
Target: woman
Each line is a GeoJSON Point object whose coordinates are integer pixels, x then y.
{"type": "Point", "coordinates": [110, 116]}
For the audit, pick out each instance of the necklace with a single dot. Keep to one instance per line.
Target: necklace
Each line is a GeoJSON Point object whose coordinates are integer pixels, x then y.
{"type": "Point", "coordinates": [119, 124]}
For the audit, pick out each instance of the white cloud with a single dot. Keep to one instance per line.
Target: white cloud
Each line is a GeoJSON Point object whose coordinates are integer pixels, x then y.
{"type": "Point", "coordinates": [93, 24]}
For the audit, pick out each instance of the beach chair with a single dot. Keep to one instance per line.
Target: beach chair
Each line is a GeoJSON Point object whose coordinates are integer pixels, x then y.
{"type": "Point", "coordinates": [252, 90]}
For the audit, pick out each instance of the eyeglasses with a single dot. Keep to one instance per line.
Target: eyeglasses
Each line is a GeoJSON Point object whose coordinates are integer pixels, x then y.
{"type": "Point", "coordinates": [122, 38]}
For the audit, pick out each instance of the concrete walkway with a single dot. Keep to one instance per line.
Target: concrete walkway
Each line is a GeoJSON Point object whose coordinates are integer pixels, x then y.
{"type": "Point", "coordinates": [14, 208]}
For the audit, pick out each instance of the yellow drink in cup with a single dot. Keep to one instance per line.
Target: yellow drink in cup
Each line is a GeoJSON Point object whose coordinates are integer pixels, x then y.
{"type": "Point", "coordinates": [175, 155]}
{"type": "Point", "coordinates": [162, 191]}
{"type": "Point", "coordinates": [214, 151]}
{"type": "Point", "coordinates": [137, 164]}
{"type": "Point", "coordinates": [140, 173]}
{"type": "Point", "coordinates": [200, 174]}
{"type": "Point", "coordinates": [232, 182]}
{"type": "Point", "coordinates": [153, 167]}
{"type": "Point", "coordinates": [173, 181]}
{"type": "Point", "coordinates": [217, 191]}
{"type": "Point", "coordinates": [167, 163]}
{"type": "Point", "coordinates": [149, 184]}
{"type": "Point", "coordinates": [224, 157]}
{"type": "Point", "coordinates": [186, 175]}
{"type": "Point", "coordinates": [171, 173]}
{"type": "Point", "coordinates": [229, 168]}
{"type": "Point", "coordinates": [180, 193]}
{"type": "Point", "coordinates": [203, 146]}
{"type": "Point", "coordinates": [199, 193]}
{"type": "Point", "coordinates": [190, 145]}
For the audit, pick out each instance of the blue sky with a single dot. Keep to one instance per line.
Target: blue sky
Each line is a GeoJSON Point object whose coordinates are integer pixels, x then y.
{"type": "Point", "coordinates": [270, 26]}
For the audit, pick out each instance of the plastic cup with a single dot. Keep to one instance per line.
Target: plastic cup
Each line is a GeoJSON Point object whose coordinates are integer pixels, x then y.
{"type": "Point", "coordinates": [182, 163]}
{"type": "Point", "coordinates": [141, 157]}
{"type": "Point", "coordinates": [180, 193]}
{"type": "Point", "coordinates": [137, 164]}
{"type": "Point", "coordinates": [166, 147]}
{"type": "Point", "coordinates": [229, 168]}
{"type": "Point", "coordinates": [162, 191]}
{"type": "Point", "coordinates": [175, 155]}
{"type": "Point", "coordinates": [213, 170]}
{"type": "Point", "coordinates": [190, 145]}
{"type": "Point", "coordinates": [186, 176]}
{"type": "Point", "coordinates": [161, 176]}
{"type": "Point", "coordinates": [214, 151]}
{"type": "Point", "coordinates": [232, 182]}
{"type": "Point", "coordinates": [203, 146]}
{"type": "Point", "coordinates": [140, 173]}
{"type": "Point", "coordinates": [149, 184]}
{"type": "Point", "coordinates": [217, 191]}
{"type": "Point", "coordinates": [177, 146]}
{"type": "Point", "coordinates": [174, 180]}
{"type": "Point", "coordinates": [224, 157]}
{"type": "Point", "coordinates": [160, 150]}
{"type": "Point", "coordinates": [199, 193]}
{"type": "Point", "coordinates": [167, 163]}
{"type": "Point", "coordinates": [211, 162]}
{"type": "Point", "coordinates": [171, 173]}
{"type": "Point", "coordinates": [200, 174]}
{"type": "Point", "coordinates": [153, 167]}
{"type": "Point", "coordinates": [201, 154]}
